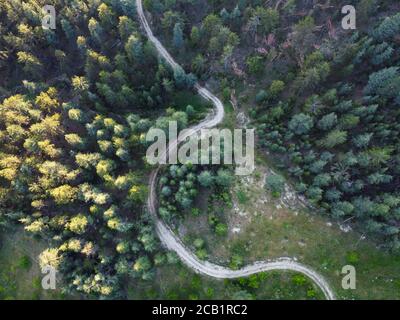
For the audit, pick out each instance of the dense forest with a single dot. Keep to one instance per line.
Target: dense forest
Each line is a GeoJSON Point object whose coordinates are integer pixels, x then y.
{"type": "Point", "coordinates": [325, 101]}
{"type": "Point", "coordinates": [76, 104]}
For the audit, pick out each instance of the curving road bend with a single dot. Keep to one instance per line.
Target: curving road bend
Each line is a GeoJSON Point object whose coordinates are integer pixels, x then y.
{"type": "Point", "coordinates": [168, 237]}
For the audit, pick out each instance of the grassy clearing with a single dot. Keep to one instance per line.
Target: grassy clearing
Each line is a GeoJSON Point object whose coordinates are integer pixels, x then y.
{"type": "Point", "coordinates": [325, 248]}
{"type": "Point", "coordinates": [20, 276]}
{"type": "Point", "coordinates": [261, 227]}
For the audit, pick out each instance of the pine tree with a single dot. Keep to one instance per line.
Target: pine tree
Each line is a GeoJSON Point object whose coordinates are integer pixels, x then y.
{"type": "Point", "coordinates": [178, 36]}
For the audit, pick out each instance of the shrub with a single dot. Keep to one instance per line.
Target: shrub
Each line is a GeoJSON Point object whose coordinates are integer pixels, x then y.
{"type": "Point", "coordinates": [352, 257]}
{"type": "Point", "coordinates": [198, 243]}
{"type": "Point", "coordinates": [24, 262]}
{"type": "Point", "coordinates": [221, 229]}
{"type": "Point", "coordinates": [276, 88]}
{"type": "Point", "coordinates": [201, 254]}
{"type": "Point", "coordinates": [299, 280]}
{"type": "Point", "coordinates": [255, 65]}
{"type": "Point", "coordinates": [261, 96]}
{"type": "Point", "coordinates": [206, 179]}
{"type": "Point", "coordinates": [236, 262]}
{"type": "Point", "coordinates": [301, 124]}
{"type": "Point", "coordinates": [276, 184]}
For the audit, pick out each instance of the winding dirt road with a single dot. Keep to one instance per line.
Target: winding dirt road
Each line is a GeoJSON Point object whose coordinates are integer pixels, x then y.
{"type": "Point", "coordinates": [168, 237]}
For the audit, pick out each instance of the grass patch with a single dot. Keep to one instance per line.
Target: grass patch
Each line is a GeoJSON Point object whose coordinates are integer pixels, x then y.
{"type": "Point", "coordinates": [326, 249]}
{"type": "Point", "coordinates": [242, 197]}
{"type": "Point", "coordinates": [20, 275]}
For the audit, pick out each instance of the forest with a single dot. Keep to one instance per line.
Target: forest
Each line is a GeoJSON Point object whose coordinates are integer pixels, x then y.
{"type": "Point", "coordinates": [76, 104]}
{"type": "Point", "coordinates": [77, 101]}
{"type": "Point", "coordinates": [325, 101]}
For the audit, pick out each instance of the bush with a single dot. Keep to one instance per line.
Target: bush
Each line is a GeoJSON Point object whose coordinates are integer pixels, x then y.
{"type": "Point", "coordinates": [195, 212]}
{"type": "Point", "coordinates": [311, 293]}
{"type": "Point", "coordinates": [224, 178]}
{"type": "Point", "coordinates": [255, 65]}
{"type": "Point", "coordinates": [236, 262]}
{"type": "Point", "coordinates": [352, 257]}
{"type": "Point", "coordinates": [212, 220]}
{"type": "Point", "coordinates": [206, 179]}
{"type": "Point", "coordinates": [24, 263]}
{"type": "Point", "coordinates": [261, 96]}
{"type": "Point", "coordinates": [276, 184]}
{"type": "Point", "coordinates": [226, 93]}
{"type": "Point", "coordinates": [301, 124]}
{"type": "Point", "coordinates": [198, 243]}
{"type": "Point", "coordinates": [221, 229]}
{"type": "Point", "coordinates": [190, 111]}
{"type": "Point", "coordinates": [201, 254]}
{"type": "Point", "coordinates": [242, 197]}
{"type": "Point", "coordinates": [299, 280]}
{"type": "Point", "coordinates": [276, 88]}
{"type": "Point", "coordinates": [172, 257]}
